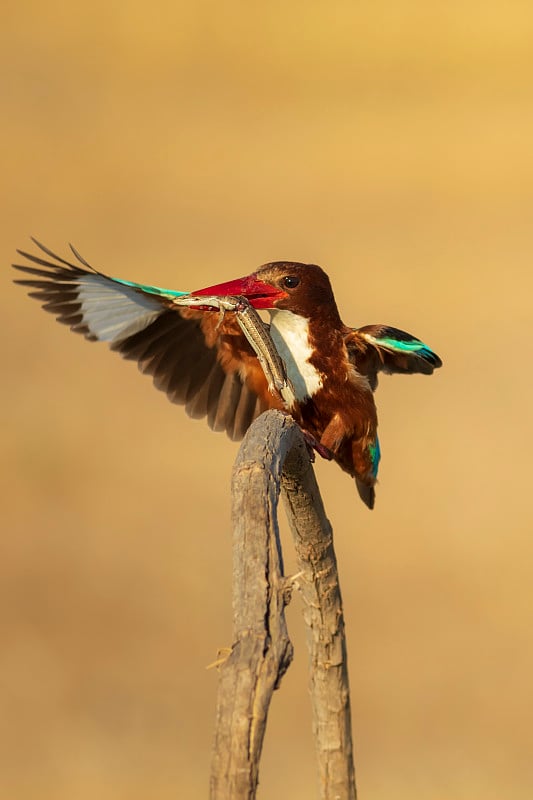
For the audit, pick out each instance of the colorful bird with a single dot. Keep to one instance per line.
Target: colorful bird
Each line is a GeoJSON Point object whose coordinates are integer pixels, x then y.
{"type": "Point", "coordinates": [205, 363]}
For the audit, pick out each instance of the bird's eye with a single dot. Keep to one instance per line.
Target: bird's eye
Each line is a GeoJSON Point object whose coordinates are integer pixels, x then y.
{"type": "Point", "coordinates": [291, 281]}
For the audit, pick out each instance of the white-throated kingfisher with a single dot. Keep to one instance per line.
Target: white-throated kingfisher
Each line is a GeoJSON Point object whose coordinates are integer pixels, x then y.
{"type": "Point", "coordinates": [206, 364]}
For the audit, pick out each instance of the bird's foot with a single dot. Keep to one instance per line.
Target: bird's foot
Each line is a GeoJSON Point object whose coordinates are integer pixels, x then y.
{"type": "Point", "coordinates": [313, 445]}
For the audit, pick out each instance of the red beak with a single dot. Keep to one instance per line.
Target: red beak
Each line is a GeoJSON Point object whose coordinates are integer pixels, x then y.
{"type": "Point", "coordinates": [259, 294]}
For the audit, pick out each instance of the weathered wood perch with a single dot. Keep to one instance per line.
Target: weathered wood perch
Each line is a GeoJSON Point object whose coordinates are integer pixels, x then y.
{"type": "Point", "coordinates": [273, 458]}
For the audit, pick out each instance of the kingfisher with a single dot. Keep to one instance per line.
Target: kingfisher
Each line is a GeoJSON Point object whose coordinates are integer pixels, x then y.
{"type": "Point", "coordinates": [204, 362]}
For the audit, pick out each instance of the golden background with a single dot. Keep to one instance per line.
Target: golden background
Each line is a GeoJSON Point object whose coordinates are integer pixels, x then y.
{"type": "Point", "coordinates": [182, 144]}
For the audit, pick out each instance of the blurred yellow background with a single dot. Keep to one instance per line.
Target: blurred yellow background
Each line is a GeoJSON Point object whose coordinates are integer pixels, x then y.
{"type": "Point", "coordinates": [182, 144]}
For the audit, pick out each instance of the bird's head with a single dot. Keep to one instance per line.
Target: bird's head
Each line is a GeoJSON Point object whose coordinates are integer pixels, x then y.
{"type": "Point", "coordinates": [283, 285]}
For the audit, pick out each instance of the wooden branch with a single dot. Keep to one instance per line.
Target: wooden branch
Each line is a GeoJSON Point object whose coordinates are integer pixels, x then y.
{"type": "Point", "coordinates": [272, 454]}
{"type": "Point", "coordinates": [262, 651]}
{"type": "Point", "coordinates": [324, 618]}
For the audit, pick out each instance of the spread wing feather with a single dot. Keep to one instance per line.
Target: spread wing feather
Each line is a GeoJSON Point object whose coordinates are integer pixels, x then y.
{"type": "Point", "coordinates": [381, 348]}
{"type": "Point", "coordinates": [180, 348]}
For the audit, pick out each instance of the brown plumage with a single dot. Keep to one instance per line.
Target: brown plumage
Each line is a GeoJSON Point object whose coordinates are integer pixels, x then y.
{"type": "Point", "coordinates": [207, 365]}
{"type": "Point", "coordinates": [333, 367]}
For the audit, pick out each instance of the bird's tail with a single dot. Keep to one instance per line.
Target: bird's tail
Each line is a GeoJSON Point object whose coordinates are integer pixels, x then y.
{"type": "Point", "coordinates": [366, 479]}
{"type": "Point", "coordinates": [366, 493]}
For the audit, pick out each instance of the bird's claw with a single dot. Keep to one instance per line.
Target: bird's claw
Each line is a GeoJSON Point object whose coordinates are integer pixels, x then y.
{"type": "Point", "coordinates": [313, 445]}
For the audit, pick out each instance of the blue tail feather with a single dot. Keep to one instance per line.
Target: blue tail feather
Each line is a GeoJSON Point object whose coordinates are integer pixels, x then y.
{"type": "Point", "coordinates": [375, 456]}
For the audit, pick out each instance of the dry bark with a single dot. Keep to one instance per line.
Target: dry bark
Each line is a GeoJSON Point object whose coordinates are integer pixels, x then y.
{"type": "Point", "coordinates": [273, 457]}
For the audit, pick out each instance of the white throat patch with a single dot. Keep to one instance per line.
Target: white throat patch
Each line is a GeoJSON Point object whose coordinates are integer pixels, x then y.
{"type": "Point", "coordinates": [290, 333]}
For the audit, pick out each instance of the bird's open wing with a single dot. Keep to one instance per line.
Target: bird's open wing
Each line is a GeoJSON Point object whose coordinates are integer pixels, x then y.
{"type": "Point", "coordinates": [380, 348]}
{"type": "Point", "coordinates": [201, 363]}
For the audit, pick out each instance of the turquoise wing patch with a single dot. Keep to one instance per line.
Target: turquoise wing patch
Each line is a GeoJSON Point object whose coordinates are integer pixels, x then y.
{"type": "Point", "coordinates": [400, 343]}
{"type": "Point", "coordinates": [151, 289]}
